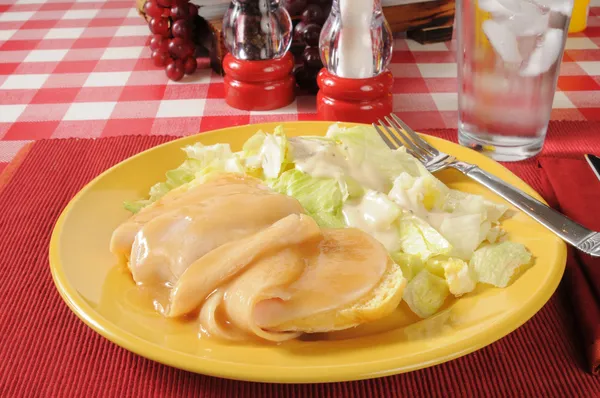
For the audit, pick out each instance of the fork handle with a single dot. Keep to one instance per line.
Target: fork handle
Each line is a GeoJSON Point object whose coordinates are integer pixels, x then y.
{"type": "Point", "coordinates": [582, 238]}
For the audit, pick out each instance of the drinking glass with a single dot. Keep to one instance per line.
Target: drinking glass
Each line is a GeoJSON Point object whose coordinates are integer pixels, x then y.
{"type": "Point", "coordinates": [508, 55]}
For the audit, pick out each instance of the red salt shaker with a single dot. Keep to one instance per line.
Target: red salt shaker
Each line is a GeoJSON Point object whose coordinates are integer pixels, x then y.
{"type": "Point", "coordinates": [258, 68]}
{"type": "Point", "coordinates": [356, 48]}
{"type": "Point", "coordinates": [354, 100]}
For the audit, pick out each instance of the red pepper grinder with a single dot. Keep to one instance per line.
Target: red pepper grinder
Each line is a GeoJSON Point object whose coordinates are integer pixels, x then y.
{"type": "Point", "coordinates": [258, 67]}
{"type": "Point", "coordinates": [356, 47]}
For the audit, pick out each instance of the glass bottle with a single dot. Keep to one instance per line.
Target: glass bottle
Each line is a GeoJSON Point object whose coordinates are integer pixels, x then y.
{"type": "Point", "coordinates": [257, 29]}
{"type": "Point", "coordinates": [353, 29]}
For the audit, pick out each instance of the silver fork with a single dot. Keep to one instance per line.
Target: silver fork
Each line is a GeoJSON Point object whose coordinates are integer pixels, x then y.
{"type": "Point", "coordinates": [400, 134]}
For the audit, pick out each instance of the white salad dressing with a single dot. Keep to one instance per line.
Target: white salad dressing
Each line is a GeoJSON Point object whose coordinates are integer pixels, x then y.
{"type": "Point", "coordinates": [320, 158]}
{"type": "Point", "coordinates": [375, 214]}
{"type": "Point", "coordinates": [355, 45]}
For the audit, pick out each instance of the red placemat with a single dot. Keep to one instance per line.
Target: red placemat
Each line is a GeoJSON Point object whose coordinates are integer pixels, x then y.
{"type": "Point", "coordinates": [47, 351]}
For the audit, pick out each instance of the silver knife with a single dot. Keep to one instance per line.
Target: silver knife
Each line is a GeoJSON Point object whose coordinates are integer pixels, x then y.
{"type": "Point", "coordinates": [594, 162]}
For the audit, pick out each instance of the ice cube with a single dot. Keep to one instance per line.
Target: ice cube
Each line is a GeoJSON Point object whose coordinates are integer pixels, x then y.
{"type": "Point", "coordinates": [545, 54]}
{"type": "Point", "coordinates": [557, 20]}
{"type": "Point", "coordinates": [504, 8]}
{"type": "Point", "coordinates": [562, 6]}
{"type": "Point", "coordinates": [526, 46]}
{"type": "Point", "coordinates": [532, 20]}
{"type": "Point", "coordinates": [503, 40]}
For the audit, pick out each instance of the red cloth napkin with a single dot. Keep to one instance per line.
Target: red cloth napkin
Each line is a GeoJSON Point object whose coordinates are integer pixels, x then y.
{"type": "Point", "coordinates": [46, 351]}
{"type": "Point", "coordinates": [574, 189]}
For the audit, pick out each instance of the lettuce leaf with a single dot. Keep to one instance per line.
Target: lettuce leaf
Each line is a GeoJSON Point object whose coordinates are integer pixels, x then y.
{"type": "Point", "coordinates": [266, 155]}
{"type": "Point", "coordinates": [464, 232]}
{"type": "Point", "coordinates": [251, 151]}
{"type": "Point", "coordinates": [459, 275]}
{"type": "Point", "coordinates": [497, 263]}
{"type": "Point", "coordinates": [322, 198]}
{"type": "Point", "coordinates": [375, 214]}
{"type": "Point", "coordinates": [418, 238]}
{"type": "Point", "coordinates": [410, 264]}
{"type": "Point", "coordinates": [201, 161]}
{"type": "Point", "coordinates": [365, 149]}
{"type": "Point", "coordinates": [425, 293]}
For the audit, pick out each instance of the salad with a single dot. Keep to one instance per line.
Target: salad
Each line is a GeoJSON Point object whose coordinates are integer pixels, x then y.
{"type": "Point", "coordinates": [445, 241]}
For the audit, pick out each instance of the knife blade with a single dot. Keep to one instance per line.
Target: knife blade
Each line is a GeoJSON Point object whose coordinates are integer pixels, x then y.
{"type": "Point", "coordinates": [594, 162]}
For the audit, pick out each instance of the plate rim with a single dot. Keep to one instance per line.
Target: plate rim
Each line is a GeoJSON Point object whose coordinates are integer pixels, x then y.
{"type": "Point", "coordinates": [256, 373]}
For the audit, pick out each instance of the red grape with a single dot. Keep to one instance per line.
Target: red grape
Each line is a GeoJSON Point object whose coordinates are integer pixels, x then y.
{"type": "Point", "coordinates": [160, 58]}
{"type": "Point", "coordinates": [160, 26]}
{"type": "Point", "coordinates": [313, 14]}
{"type": "Point", "coordinates": [180, 12]}
{"type": "Point", "coordinates": [299, 31]}
{"type": "Point", "coordinates": [312, 58]}
{"type": "Point", "coordinates": [295, 7]}
{"type": "Point", "coordinates": [310, 35]}
{"type": "Point", "coordinates": [175, 70]}
{"type": "Point", "coordinates": [155, 41]}
{"type": "Point", "coordinates": [152, 9]}
{"type": "Point", "coordinates": [192, 10]}
{"type": "Point", "coordinates": [182, 29]}
{"type": "Point", "coordinates": [190, 65]}
{"type": "Point", "coordinates": [159, 43]}
{"type": "Point", "coordinates": [306, 79]}
{"type": "Point", "coordinates": [180, 48]}
{"type": "Point", "coordinates": [307, 30]}
{"type": "Point", "coordinates": [174, 25]}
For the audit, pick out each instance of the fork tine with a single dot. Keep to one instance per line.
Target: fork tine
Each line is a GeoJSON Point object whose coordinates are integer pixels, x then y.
{"type": "Point", "coordinates": [409, 144]}
{"type": "Point", "coordinates": [392, 142]}
{"type": "Point", "coordinates": [420, 142]}
{"type": "Point", "coordinates": [398, 143]}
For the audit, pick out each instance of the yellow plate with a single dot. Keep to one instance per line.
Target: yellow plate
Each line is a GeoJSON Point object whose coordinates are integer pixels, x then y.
{"type": "Point", "coordinates": [106, 299]}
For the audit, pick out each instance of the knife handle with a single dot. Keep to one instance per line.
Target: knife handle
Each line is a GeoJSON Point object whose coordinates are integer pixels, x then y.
{"type": "Point", "coordinates": [568, 230]}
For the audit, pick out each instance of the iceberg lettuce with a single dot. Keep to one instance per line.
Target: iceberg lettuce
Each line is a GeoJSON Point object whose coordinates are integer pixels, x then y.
{"type": "Point", "coordinates": [266, 155]}
{"type": "Point", "coordinates": [425, 293]}
{"type": "Point", "coordinates": [375, 214]}
{"type": "Point", "coordinates": [497, 263]}
{"type": "Point", "coordinates": [365, 149]}
{"type": "Point", "coordinates": [322, 198]}
{"type": "Point", "coordinates": [458, 274]}
{"type": "Point", "coordinates": [418, 238]}
{"type": "Point", "coordinates": [201, 161]}
{"type": "Point", "coordinates": [411, 265]}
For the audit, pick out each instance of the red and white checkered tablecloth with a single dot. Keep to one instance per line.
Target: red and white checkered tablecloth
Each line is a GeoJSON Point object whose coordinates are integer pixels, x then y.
{"type": "Point", "coordinates": [81, 68]}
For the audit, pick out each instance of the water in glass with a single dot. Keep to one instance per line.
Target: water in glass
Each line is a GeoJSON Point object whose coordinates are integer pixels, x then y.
{"type": "Point", "coordinates": [508, 54]}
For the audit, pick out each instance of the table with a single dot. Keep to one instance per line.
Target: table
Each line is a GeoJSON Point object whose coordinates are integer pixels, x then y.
{"type": "Point", "coordinates": [81, 68]}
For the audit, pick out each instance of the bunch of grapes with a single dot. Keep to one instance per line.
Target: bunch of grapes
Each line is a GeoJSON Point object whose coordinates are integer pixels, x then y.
{"type": "Point", "coordinates": [308, 17]}
{"type": "Point", "coordinates": [172, 23]}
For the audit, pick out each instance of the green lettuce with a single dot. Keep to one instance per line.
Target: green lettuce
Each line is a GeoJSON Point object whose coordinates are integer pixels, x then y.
{"type": "Point", "coordinates": [425, 293]}
{"type": "Point", "coordinates": [418, 238]}
{"type": "Point", "coordinates": [201, 161]}
{"type": "Point", "coordinates": [322, 198]}
{"type": "Point", "coordinates": [266, 155]}
{"type": "Point", "coordinates": [497, 263]}
{"type": "Point", "coordinates": [459, 275]}
{"type": "Point", "coordinates": [364, 149]}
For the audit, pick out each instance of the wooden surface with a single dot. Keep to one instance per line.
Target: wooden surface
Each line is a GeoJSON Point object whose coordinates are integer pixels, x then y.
{"type": "Point", "coordinates": [428, 22]}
